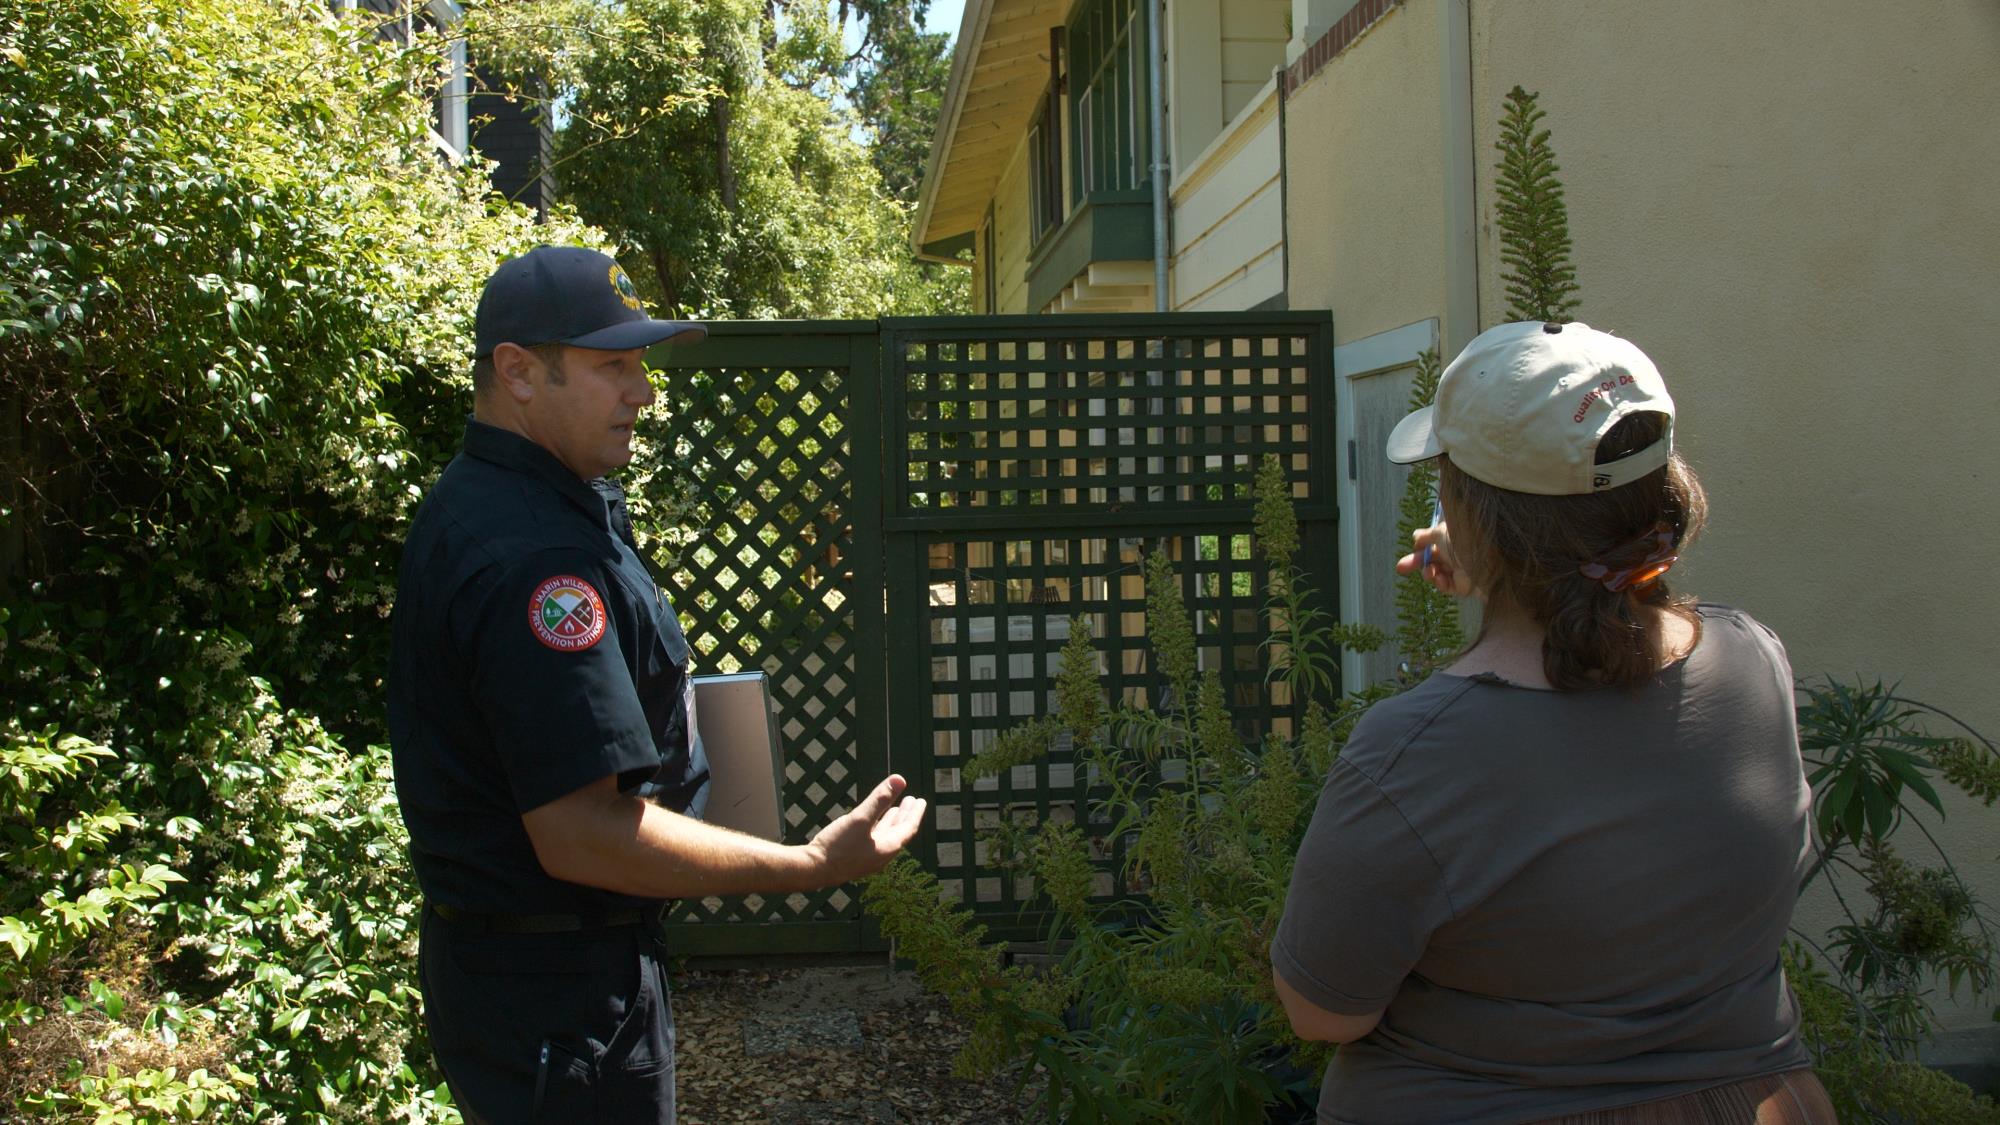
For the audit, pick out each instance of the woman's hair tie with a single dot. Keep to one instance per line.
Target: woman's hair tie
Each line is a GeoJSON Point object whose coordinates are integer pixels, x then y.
{"type": "Point", "coordinates": [1659, 543]}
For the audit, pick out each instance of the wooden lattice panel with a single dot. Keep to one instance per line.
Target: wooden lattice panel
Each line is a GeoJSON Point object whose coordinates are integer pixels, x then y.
{"type": "Point", "coordinates": [1000, 612]}
{"type": "Point", "coordinates": [761, 583]}
{"type": "Point", "coordinates": [897, 521]}
{"type": "Point", "coordinates": [1038, 464]}
{"type": "Point", "coordinates": [1097, 421]}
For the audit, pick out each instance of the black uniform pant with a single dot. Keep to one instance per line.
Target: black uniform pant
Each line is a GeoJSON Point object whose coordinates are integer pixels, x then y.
{"type": "Point", "coordinates": [570, 1027]}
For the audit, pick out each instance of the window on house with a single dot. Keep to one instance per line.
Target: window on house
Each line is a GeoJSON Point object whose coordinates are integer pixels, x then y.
{"type": "Point", "coordinates": [987, 273]}
{"type": "Point", "coordinates": [1109, 77]}
{"type": "Point", "coordinates": [1086, 144]}
{"type": "Point", "coordinates": [451, 124]}
{"type": "Point", "coordinates": [1045, 147]}
{"type": "Point", "coordinates": [1135, 101]}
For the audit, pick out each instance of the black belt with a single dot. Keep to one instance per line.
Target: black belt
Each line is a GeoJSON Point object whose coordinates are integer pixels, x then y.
{"type": "Point", "coordinates": [543, 923]}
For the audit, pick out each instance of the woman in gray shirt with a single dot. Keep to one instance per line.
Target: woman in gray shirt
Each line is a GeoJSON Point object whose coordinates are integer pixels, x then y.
{"type": "Point", "coordinates": [1550, 883]}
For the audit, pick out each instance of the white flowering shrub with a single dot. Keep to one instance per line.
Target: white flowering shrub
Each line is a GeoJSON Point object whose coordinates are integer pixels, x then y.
{"type": "Point", "coordinates": [236, 285]}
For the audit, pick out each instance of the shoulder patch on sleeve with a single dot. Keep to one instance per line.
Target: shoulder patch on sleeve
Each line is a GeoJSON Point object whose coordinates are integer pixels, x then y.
{"type": "Point", "coordinates": [566, 613]}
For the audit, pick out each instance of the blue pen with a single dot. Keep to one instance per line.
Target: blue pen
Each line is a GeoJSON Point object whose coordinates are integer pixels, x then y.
{"type": "Point", "coordinates": [1437, 517]}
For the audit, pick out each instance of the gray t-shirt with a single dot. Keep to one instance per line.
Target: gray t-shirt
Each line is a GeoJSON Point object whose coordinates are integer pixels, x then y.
{"type": "Point", "coordinates": [1566, 901]}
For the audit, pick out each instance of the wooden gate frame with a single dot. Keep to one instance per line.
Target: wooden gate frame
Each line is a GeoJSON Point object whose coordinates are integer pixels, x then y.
{"type": "Point", "coordinates": [897, 377]}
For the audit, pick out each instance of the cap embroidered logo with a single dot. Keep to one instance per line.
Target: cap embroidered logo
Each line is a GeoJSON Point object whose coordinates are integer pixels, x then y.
{"type": "Point", "coordinates": [627, 292]}
{"type": "Point", "coordinates": [566, 613]}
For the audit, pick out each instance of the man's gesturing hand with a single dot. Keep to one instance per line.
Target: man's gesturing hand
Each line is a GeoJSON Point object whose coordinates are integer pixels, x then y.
{"type": "Point", "coordinates": [866, 839]}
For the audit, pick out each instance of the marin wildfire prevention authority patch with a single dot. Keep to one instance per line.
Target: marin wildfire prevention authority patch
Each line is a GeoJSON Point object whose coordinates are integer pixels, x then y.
{"type": "Point", "coordinates": [566, 613]}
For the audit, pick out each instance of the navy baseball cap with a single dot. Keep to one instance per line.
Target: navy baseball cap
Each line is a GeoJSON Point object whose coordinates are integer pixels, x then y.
{"type": "Point", "coordinates": [568, 295]}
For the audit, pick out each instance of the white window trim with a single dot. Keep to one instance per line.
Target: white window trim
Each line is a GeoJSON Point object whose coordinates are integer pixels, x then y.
{"type": "Point", "coordinates": [1384, 351]}
{"type": "Point", "coordinates": [1084, 103]}
{"type": "Point", "coordinates": [454, 137]}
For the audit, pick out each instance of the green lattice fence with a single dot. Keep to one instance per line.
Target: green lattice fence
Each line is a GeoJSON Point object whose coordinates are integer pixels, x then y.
{"type": "Point", "coordinates": [762, 422]}
{"type": "Point", "coordinates": [898, 521]}
{"type": "Point", "coordinates": [1034, 464]}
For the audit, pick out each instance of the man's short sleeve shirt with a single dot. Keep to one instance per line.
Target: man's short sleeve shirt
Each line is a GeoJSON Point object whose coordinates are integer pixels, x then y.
{"type": "Point", "coordinates": [534, 654]}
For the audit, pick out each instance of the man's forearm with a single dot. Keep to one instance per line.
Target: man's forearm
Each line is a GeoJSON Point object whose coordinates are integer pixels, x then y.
{"type": "Point", "coordinates": [624, 844]}
{"type": "Point", "coordinates": [668, 855]}
{"type": "Point", "coordinates": [600, 837]}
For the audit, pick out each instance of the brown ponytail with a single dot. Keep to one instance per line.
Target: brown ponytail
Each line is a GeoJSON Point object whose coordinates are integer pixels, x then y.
{"type": "Point", "coordinates": [1526, 550]}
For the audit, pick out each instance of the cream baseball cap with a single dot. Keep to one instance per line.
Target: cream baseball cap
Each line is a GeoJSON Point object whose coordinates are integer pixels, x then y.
{"type": "Point", "coordinates": [1524, 406]}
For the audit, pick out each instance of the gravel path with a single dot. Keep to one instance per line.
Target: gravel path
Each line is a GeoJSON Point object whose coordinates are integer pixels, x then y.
{"type": "Point", "coordinates": [810, 1045]}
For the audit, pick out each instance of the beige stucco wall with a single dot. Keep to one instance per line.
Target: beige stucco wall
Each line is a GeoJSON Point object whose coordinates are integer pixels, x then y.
{"type": "Point", "coordinates": [1790, 206]}
{"type": "Point", "coordinates": [1364, 181]}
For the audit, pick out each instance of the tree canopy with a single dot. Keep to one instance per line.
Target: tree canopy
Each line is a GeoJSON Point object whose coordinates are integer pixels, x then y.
{"type": "Point", "coordinates": [747, 163]}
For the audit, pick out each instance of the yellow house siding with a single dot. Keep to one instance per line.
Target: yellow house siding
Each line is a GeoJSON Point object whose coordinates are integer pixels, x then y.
{"type": "Point", "coordinates": [1220, 53]}
{"type": "Point", "coordinates": [1194, 78]}
{"type": "Point", "coordinates": [1228, 224]}
{"type": "Point", "coordinates": [1253, 44]}
{"type": "Point", "coordinates": [1011, 235]}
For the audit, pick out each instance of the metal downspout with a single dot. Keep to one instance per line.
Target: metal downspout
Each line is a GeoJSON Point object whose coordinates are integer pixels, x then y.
{"type": "Point", "coordinates": [1279, 76]}
{"type": "Point", "coordinates": [1155, 12]}
{"type": "Point", "coordinates": [1156, 97]}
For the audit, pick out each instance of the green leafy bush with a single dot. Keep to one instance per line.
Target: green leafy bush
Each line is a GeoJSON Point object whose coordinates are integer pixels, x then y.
{"type": "Point", "coordinates": [1868, 1011]}
{"type": "Point", "coordinates": [236, 277]}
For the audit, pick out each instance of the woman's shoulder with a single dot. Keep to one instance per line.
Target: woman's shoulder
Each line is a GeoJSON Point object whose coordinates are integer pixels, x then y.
{"type": "Point", "coordinates": [1393, 724]}
{"type": "Point", "coordinates": [1730, 623]}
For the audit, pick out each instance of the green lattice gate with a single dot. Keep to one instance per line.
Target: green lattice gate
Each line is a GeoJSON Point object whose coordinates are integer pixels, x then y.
{"type": "Point", "coordinates": [900, 519]}
{"type": "Point", "coordinates": [775, 428]}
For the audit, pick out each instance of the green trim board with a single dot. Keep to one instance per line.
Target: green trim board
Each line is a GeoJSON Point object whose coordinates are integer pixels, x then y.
{"type": "Point", "coordinates": [948, 249]}
{"type": "Point", "coordinates": [1095, 232]}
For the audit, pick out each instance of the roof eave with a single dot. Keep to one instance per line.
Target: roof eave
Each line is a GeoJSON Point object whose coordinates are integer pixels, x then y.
{"type": "Point", "coordinates": [964, 57]}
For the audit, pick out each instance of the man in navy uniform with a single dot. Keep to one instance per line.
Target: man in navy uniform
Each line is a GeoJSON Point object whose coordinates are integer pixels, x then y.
{"type": "Point", "coordinates": [538, 709]}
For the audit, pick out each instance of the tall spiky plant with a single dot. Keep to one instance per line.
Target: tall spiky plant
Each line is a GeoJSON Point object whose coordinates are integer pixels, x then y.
{"type": "Point", "coordinates": [1541, 285]}
{"type": "Point", "coordinates": [1427, 629]}
{"type": "Point", "coordinates": [1534, 222]}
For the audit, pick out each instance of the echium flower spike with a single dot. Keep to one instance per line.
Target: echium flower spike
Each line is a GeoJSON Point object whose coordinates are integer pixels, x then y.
{"type": "Point", "coordinates": [1533, 219]}
{"type": "Point", "coordinates": [1276, 527]}
{"type": "Point", "coordinates": [1215, 732]}
{"type": "Point", "coordinates": [1170, 631]}
{"type": "Point", "coordinates": [1427, 631]}
{"type": "Point", "coordinates": [1080, 704]}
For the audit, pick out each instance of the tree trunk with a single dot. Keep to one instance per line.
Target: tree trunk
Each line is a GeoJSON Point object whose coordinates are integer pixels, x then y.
{"type": "Point", "coordinates": [670, 283]}
{"type": "Point", "coordinates": [722, 111]}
